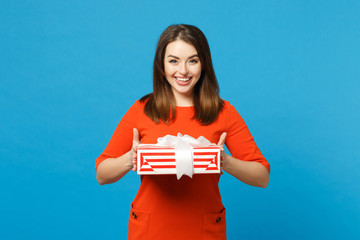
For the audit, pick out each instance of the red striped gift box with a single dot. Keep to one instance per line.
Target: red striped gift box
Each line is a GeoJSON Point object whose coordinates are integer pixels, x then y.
{"type": "Point", "coordinates": [153, 160]}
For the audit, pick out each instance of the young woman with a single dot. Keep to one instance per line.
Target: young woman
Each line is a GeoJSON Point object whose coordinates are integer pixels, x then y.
{"type": "Point", "coordinates": [185, 100]}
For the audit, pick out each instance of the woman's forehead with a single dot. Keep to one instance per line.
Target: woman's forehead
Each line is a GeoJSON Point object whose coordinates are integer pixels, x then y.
{"type": "Point", "coordinates": [180, 48]}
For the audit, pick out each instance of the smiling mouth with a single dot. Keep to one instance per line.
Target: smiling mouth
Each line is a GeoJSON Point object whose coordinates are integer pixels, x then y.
{"type": "Point", "coordinates": [182, 79]}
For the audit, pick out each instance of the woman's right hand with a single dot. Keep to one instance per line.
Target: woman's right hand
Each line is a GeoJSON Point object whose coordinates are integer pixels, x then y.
{"type": "Point", "coordinates": [133, 151]}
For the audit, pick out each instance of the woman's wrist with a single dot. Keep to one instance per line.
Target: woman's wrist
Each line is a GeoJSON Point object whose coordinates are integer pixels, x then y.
{"type": "Point", "coordinates": [129, 158]}
{"type": "Point", "coordinates": [225, 161]}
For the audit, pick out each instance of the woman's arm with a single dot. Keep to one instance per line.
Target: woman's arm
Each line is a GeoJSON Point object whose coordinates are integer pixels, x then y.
{"type": "Point", "coordinates": [113, 169]}
{"type": "Point", "coordinates": [252, 173]}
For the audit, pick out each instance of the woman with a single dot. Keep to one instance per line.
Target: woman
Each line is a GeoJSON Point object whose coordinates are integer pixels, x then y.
{"type": "Point", "coordinates": [185, 99]}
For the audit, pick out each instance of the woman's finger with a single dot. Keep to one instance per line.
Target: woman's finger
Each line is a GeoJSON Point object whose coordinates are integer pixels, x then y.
{"type": "Point", "coordinates": [222, 139]}
{"type": "Point", "coordinates": [135, 140]}
{"type": "Point", "coordinates": [135, 136]}
{"type": "Point", "coordinates": [135, 146]}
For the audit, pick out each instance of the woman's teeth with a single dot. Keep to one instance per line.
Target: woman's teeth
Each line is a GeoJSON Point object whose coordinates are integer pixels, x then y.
{"type": "Point", "coordinates": [183, 79]}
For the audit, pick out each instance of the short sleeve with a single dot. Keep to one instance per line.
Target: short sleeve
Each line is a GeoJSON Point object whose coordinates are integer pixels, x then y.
{"type": "Point", "coordinates": [121, 140]}
{"type": "Point", "coordinates": [239, 140]}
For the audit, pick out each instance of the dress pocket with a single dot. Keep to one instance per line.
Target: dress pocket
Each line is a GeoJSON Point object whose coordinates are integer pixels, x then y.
{"type": "Point", "coordinates": [138, 224]}
{"type": "Point", "coordinates": [215, 226]}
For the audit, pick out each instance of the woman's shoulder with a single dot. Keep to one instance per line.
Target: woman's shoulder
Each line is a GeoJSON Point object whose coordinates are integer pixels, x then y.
{"type": "Point", "coordinates": [136, 109]}
{"type": "Point", "coordinates": [143, 100]}
{"type": "Point", "coordinates": [227, 105]}
{"type": "Point", "coordinates": [146, 98]}
{"type": "Point", "coordinates": [140, 103]}
{"type": "Point", "coordinates": [229, 110]}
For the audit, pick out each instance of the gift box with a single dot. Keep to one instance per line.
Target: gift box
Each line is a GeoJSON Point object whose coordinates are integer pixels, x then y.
{"type": "Point", "coordinates": [154, 160]}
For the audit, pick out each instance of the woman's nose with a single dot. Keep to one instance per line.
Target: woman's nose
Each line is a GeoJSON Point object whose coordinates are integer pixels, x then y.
{"type": "Point", "coordinates": [183, 69]}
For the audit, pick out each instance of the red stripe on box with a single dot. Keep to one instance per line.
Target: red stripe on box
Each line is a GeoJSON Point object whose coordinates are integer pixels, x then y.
{"type": "Point", "coordinates": [160, 160]}
{"type": "Point", "coordinates": [203, 159]}
{"type": "Point", "coordinates": [155, 148]}
{"type": "Point", "coordinates": [163, 166]}
{"type": "Point", "coordinates": [214, 147]}
{"type": "Point", "coordinates": [205, 153]}
{"type": "Point", "coordinates": [212, 168]}
{"type": "Point", "coordinates": [146, 170]}
{"type": "Point", "coordinates": [201, 166]}
{"type": "Point", "coordinates": [159, 154]}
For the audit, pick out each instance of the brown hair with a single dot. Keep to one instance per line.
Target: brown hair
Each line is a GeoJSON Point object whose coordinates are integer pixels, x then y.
{"type": "Point", "coordinates": [206, 98]}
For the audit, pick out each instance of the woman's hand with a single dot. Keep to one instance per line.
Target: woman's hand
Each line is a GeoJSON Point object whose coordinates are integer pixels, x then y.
{"type": "Point", "coordinates": [252, 173]}
{"type": "Point", "coordinates": [221, 144]}
{"type": "Point", "coordinates": [133, 151]}
{"type": "Point", "coordinates": [112, 169]}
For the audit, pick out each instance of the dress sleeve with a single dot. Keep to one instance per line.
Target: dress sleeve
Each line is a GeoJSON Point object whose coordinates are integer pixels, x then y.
{"type": "Point", "coordinates": [239, 140]}
{"type": "Point", "coordinates": [121, 140]}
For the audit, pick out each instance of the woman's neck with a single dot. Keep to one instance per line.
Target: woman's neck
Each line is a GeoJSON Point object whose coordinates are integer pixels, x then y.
{"type": "Point", "coordinates": [184, 101]}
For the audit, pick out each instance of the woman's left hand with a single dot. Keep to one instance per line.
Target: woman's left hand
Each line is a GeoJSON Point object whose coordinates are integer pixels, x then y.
{"type": "Point", "coordinates": [221, 144]}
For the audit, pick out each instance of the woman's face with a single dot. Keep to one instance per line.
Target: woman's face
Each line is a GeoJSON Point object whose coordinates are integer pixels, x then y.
{"type": "Point", "coordinates": [182, 70]}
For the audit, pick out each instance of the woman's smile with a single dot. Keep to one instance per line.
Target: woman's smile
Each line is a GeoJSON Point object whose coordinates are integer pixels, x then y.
{"type": "Point", "coordinates": [183, 81]}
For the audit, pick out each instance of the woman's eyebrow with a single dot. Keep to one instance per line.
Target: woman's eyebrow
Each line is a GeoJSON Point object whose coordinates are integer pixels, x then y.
{"type": "Point", "coordinates": [172, 56]}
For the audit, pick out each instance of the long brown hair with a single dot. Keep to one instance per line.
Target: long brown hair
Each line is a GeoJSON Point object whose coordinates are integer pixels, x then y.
{"type": "Point", "coordinates": [161, 104]}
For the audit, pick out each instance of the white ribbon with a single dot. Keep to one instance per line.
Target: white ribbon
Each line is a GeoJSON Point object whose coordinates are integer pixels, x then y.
{"type": "Point", "coordinates": [184, 156]}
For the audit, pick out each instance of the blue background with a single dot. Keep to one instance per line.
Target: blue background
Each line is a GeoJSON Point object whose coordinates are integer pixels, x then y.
{"type": "Point", "coordinates": [69, 70]}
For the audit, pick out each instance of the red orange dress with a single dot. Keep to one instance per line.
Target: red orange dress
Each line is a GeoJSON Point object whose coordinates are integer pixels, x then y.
{"type": "Point", "coordinates": [190, 208]}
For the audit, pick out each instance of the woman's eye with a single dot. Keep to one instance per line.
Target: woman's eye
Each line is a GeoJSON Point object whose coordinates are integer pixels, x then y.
{"type": "Point", "coordinates": [193, 61]}
{"type": "Point", "coordinates": [173, 61]}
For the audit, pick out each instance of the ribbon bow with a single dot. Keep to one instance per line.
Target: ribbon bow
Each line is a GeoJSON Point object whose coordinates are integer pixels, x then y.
{"type": "Point", "coordinates": [184, 156]}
